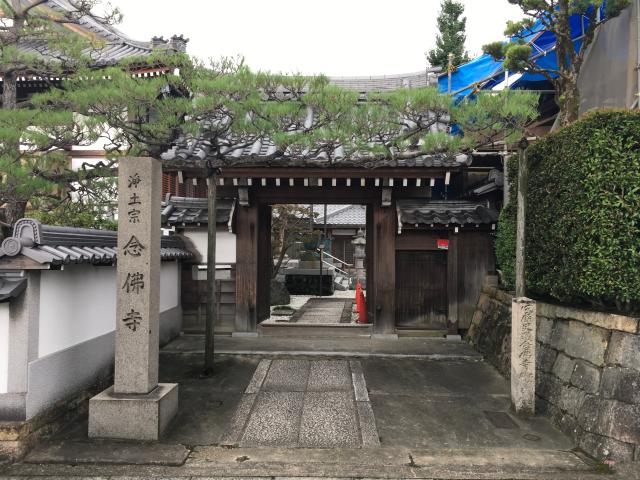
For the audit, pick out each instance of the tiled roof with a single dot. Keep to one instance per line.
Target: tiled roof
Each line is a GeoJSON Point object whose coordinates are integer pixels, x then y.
{"type": "Point", "coordinates": [117, 45]}
{"type": "Point", "coordinates": [444, 213]}
{"type": "Point", "coordinates": [194, 152]}
{"type": "Point", "coordinates": [382, 83]}
{"type": "Point", "coordinates": [341, 215]}
{"type": "Point", "coordinates": [11, 286]}
{"type": "Point", "coordinates": [189, 210]}
{"type": "Point", "coordinates": [493, 182]}
{"type": "Point", "coordinates": [58, 245]}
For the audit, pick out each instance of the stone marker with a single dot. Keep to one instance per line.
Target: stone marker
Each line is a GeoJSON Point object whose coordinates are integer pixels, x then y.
{"type": "Point", "coordinates": [523, 355]}
{"type": "Point", "coordinates": [136, 407]}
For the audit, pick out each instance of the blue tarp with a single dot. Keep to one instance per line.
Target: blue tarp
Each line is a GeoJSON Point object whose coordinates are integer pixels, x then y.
{"type": "Point", "coordinates": [484, 72]}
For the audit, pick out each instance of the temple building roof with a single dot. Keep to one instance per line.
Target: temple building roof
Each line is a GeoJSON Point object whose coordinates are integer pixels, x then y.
{"type": "Point", "coordinates": [115, 45]}
{"type": "Point", "coordinates": [447, 213]}
{"type": "Point", "coordinates": [341, 216]}
{"type": "Point", "coordinates": [53, 245]}
{"type": "Point", "coordinates": [189, 211]}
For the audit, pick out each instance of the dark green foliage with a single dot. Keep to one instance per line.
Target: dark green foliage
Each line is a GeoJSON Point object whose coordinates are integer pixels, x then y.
{"type": "Point", "coordinates": [583, 218]}
{"type": "Point", "coordinates": [76, 215]}
{"type": "Point", "coordinates": [451, 36]}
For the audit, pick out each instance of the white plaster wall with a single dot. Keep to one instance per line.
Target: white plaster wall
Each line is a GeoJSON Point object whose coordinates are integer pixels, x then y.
{"type": "Point", "coordinates": [4, 347]}
{"type": "Point", "coordinates": [76, 304]}
{"type": "Point", "coordinates": [225, 245]}
{"type": "Point", "coordinates": [169, 283]}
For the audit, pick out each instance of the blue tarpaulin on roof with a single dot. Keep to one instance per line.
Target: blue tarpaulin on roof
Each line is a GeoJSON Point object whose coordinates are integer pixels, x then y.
{"type": "Point", "coordinates": [484, 72]}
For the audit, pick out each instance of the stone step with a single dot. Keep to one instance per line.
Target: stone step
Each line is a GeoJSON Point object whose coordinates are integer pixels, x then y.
{"type": "Point", "coordinates": [345, 330]}
{"type": "Point", "coordinates": [415, 332]}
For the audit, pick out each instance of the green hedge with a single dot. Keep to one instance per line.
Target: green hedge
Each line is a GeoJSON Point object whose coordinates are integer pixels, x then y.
{"type": "Point", "coordinates": [583, 217]}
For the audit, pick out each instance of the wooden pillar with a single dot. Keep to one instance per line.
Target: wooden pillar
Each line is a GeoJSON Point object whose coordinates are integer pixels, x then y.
{"type": "Point", "coordinates": [452, 284]}
{"type": "Point", "coordinates": [370, 271]}
{"type": "Point", "coordinates": [265, 262]}
{"type": "Point", "coordinates": [384, 266]}
{"type": "Point", "coordinates": [246, 268]}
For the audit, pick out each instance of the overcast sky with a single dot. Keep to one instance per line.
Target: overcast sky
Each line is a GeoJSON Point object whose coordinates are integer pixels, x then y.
{"type": "Point", "coordinates": [334, 37]}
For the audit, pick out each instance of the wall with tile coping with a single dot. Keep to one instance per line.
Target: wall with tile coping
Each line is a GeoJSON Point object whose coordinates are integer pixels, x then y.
{"type": "Point", "coordinates": [587, 370]}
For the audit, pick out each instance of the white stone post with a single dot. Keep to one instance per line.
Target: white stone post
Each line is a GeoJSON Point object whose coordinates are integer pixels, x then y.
{"type": "Point", "coordinates": [523, 355]}
{"type": "Point", "coordinates": [136, 407]}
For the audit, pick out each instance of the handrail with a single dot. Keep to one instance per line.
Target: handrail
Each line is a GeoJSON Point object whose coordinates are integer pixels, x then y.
{"type": "Point", "coordinates": [336, 268]}
{"type": "Point", "coordinates": [322, 252]}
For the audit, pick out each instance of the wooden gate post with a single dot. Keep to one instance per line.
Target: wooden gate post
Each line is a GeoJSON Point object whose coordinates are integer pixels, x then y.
{"type": "Point", "coordinates": [384, 266]}
{"type": "Point", "coordinates": [247, 240]}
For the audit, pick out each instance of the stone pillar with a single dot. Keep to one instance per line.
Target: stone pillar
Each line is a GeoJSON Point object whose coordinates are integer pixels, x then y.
{"type": "Point", "coordinates": [523, 355]}
{"type": "Point", "coordinates": [136, 407]}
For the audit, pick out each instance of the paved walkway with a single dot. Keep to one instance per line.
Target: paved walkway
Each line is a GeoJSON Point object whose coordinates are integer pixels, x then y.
{"type": "Point", "coordinates": [304, 403]}
{"type": "Point", "coordinates": [392, 416]}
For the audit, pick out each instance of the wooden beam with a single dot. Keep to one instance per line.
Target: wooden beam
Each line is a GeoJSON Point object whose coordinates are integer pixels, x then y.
{"type": "Point", "coordinates": [386, 172]}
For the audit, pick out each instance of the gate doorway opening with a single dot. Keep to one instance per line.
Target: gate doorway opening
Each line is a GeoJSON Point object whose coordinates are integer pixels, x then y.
{"type": "Point", "coordinates": [318, 265]}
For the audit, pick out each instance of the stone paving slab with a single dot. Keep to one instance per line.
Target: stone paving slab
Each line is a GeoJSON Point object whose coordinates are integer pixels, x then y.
{"type": "Point", "coordinates": [275, 420]}
{"type": "Point", "coordinates": [328, 375]}
{"type": "Point", "coordinates": [287, 376]}
{"type": "Point", "coordinates": [329, 420]}
{"type": "Point", "coordinates": [217, 462]}
{"type": "Point", "coordinates": [303, 403]}
{"type": "Point", "coordinates": [122, 453]}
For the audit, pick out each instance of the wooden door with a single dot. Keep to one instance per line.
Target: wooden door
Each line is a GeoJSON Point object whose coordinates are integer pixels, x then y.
{"type": "Point", "coordinates": [421, 290]}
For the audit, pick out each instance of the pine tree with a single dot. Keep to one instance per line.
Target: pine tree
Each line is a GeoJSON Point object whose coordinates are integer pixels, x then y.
{"type": "Point", "coordinates": [36, 44]}
{"type": "Point", "coordinates": [452, 36]}
{"type": "Point", "coordinates": [555, 17]}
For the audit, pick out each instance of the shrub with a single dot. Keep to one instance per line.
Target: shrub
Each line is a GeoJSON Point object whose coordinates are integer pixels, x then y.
{"type": "Point", "coordinates": [583, 216]}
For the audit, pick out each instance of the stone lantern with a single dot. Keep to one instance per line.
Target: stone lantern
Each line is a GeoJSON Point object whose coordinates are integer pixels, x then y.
{"type": "Point", "coordinates": [359, 243]}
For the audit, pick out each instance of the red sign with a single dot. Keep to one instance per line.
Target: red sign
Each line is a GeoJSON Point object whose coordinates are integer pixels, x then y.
{"type": "Point", "coordinates": [443, 244]}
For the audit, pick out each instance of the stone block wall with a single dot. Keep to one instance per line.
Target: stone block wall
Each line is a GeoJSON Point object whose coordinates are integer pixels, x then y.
{"type": "Point", "coordinates": [587, 370]}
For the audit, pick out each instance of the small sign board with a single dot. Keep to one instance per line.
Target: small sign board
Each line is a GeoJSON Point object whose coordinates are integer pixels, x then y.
{"type": "Point", "coordinates": [442, 244]}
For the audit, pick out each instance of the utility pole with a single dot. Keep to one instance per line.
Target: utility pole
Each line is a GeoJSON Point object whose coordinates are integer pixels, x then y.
{"type": "Point", "coordinates": [449, 72]}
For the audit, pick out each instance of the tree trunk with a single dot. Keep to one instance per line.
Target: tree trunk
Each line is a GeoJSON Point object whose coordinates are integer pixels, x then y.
{"type": "Point", "coordinates": [283, 250]}
{"type": "Point", "coordinates": [523, 174]}
{"type": "Point", "coordinates": [9, 90]}
{"type": "Point", "coordinates": [212, 305]}
{"type": "Point", "coordinates": [569, 103]}
{"type": "Point", "coordinates": [14, 211]}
